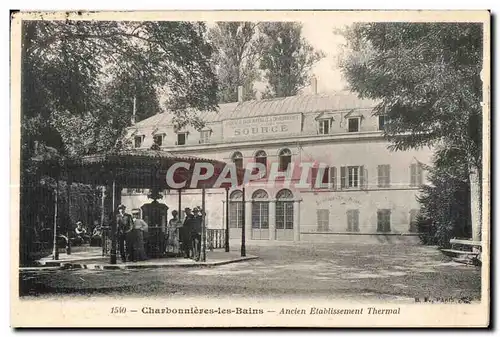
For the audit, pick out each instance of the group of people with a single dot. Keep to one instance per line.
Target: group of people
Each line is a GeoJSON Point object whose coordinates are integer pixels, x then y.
{"type": "Point", "coordinates": [187, 235]}
{"type": "Point", "coordinates": [132, 235]}
{"type": "Point", "coordinates": [81, 235]}
{"type": "Point", "coordinates": [184, 236]}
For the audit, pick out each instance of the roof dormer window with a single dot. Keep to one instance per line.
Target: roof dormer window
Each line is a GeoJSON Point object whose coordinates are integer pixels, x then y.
{"type": "Point", "coordinates": [205, 134]}
{"type": "Point", "coordinates": [353, 124]}
{"type": "Point", "coordinates": [158, 139]}
{"type": "Point", "coordinates": [138, 141]}
{"type": "Point", "coordinates": [324, 126]}
{"type": "Point", "coordinates": [181, 138]}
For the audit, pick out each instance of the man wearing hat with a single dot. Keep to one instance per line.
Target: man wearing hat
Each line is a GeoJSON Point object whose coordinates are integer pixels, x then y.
{"type": "Point", "coordinates": [81, 233]}
{"type": "Point", "coordinates": [124, 224]}
{"type": "Point", "coordinates": [196, 233]}
{"type": "Point", "coordinates": [186, 232]}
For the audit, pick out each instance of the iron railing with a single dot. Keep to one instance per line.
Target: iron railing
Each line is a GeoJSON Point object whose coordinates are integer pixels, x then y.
{"type": "Point", "coordinates": [216, 239]}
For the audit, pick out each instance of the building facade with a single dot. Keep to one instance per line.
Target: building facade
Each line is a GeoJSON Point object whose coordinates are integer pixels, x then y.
{"type": "Point", "coordinates": [362, 189]}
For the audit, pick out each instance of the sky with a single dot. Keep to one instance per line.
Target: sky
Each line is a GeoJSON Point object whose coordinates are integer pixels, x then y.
{"type": "Point", "coordinates": [321, 36]}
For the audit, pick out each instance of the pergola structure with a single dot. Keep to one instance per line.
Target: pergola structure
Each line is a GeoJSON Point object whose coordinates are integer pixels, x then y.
{"type": "Point", "coordinates": [139, 169]}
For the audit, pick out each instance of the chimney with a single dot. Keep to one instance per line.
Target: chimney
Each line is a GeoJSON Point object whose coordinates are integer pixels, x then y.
{"type": "Point", "coordinates": [133, 113]}
{"type": "Point", "coordinates": [240, 94]}
{"type": "Point", "coordinates": [314, 85]}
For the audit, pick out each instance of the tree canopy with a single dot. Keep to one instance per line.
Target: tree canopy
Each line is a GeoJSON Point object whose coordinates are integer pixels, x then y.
{"type": "Point", "coordinates": [81, 74]}
{"type": "Point", "coordinates": [427, 78]}
{"type": "Point", "coordinates": [237, 50]}
{"type": "Point", "coordinates": [287, 58]}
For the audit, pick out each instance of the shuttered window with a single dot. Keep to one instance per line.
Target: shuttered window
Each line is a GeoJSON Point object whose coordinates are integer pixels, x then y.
{"type": "Point", "coordinates": [323, 217]}
{"type": "Point", "coordinates": [384, 220]}
{"type": "Point", "coordinates": [328, 179]}
{"type": "Point", "coordinates": [353, 177]}
{"type": "Point", "coordinates": [415, 175]}
{"type": "Point", "coordinates": [353, 220]}
{"type": "Point", "coordinates": [384, 175]}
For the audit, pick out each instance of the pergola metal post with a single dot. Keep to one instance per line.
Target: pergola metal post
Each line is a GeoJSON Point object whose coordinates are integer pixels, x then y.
{"type": "Point", "coordinates": [55, 251]}
{"type": "Point", "coordinates": [103, 198]}
{"type": "Point", "coordinates": [68, 228]}
{"type": "Point", "coordinates": [113, 225]}
{"type": "Point", "coordinates": [227, 220]}
{"type": "Point", "coordinates": [243, 247]}
{"type": "Point", "coordinates": [180, 202]}
{"type": "Point", "coordinates": [203, 227]}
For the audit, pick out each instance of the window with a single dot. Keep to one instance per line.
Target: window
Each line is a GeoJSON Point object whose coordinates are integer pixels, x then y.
{"type": "Point", "coordinates": [384, 175]}
{"type": "Point", "coordinates": [415, 175]}
{"type": "Point", "coordinates": [261, 158]}
{"type": "Point", "coordinates": [285, 156]}
{"type": "Point", "coordinates": [353, 177]}
{"type": "Point", "coordinates": [413, 221]}
{"type": "Point", "coordinates": [205, 136]}
{"type": "Point", "coordinates": [158, 140]}
{"type": "Point", "coordinates": [260, 210]}
{"type": "Point", "coordinates": [284, 210]}
{"type": "Point", "coordinates": [384, 220]}
{"type": "Point", "coordinates": [353, 220]}
{"type": "Point", "coordinates": [353, 124]}
{"type": "Point", "coordinates": [235, 209]}
{"type": "Point", "coordinates": [181, 138]}
{"type": "Point", "coordinates": [138, 141]}
{"type": "Point", "coordinates": [381, 122]}
{"type": "Point", "coordinates": [324, 126]}
{"type": "Point", "coordinates": [237, 159]}
{"type": "Point", "coordinates": [323, 216]}
{"type": "Point", "coordinates": [328, 180]}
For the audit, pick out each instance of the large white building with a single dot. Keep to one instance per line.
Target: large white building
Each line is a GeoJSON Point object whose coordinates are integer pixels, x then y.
{"type": "Point", "coordinates": [367, 188]}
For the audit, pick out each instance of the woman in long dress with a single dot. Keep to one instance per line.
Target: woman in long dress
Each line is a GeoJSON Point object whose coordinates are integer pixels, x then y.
{"type": "Point", "coordinates": [139, 228]}
{"type": "Point", "coordinates": [173, 233]}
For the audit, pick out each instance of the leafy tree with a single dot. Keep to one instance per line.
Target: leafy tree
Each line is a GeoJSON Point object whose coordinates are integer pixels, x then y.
{"type": "Point", "coordinates": [79, 78]}
{"type": "Point", "coordinates": [237, 50]}
{"type": "Point", "coordinates": [446, 200]}
{"type": "Point", "coordinates": [81, 68]}
{"type": "Point", "coordinates": [287, 58]}
{"type": "Point", "coordinates": [427, 78]}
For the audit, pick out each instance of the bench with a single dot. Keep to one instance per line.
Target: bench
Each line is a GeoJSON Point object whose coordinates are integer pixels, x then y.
{"type": "Point", "coordinates": [464, 251]}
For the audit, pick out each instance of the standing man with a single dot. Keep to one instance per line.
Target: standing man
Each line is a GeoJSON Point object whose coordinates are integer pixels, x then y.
{"type": "Point", "coordinates": [124, 225]}
{"type": "Point", "coordinates": [186, 232]}
{"type": "Point", "coordinates": [196, 233]}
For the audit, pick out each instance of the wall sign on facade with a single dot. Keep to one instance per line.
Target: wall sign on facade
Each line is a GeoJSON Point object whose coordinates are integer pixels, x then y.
{"type": "Point", "coordinates": [262, 126]}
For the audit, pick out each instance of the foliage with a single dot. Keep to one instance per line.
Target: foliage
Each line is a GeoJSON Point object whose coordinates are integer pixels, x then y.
{"type": "Point", "coordinates": [92, 71]}
{"type": "Point", "coordinates": [237, 50]}
{"type": "Point", "coordinates": [446, 201]}
{"type": "Point", "coordinates": [287, 58]}
{"type": "Point", "coordinates": [427, 78]}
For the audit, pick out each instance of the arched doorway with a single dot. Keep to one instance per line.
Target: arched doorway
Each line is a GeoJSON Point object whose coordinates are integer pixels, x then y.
{"type": "Point", "coordinates": [284, 215]}
{"type": "Point", "coordinates": [235, 211]}
{"type": "Point", "coordinates": [260, 215]}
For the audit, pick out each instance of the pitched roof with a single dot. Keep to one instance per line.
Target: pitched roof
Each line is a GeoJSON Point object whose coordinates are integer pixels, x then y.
{"type": "Point", "coordinates": [341, 101]}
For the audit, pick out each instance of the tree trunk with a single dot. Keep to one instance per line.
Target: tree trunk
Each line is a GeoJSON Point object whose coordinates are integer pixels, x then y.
{"type": "Point", "coordinates": [475, 203]}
